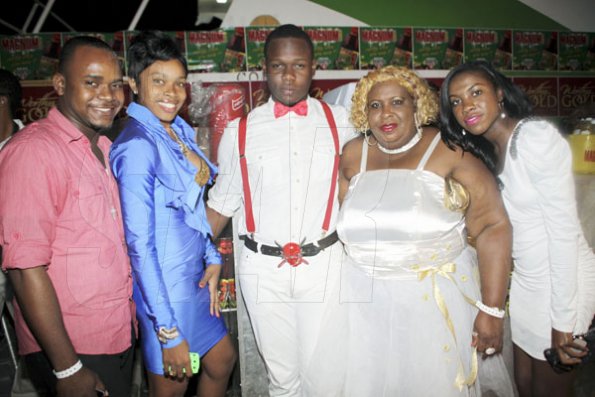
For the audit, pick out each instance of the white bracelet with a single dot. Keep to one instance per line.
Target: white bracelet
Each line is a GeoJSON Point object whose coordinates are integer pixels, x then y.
{"type": "Point", "coordinates": [69, 371]}
{"type": "Point", "coordinates": [165, 334]}
{"type": "Point", "coordinates": [492, 311]}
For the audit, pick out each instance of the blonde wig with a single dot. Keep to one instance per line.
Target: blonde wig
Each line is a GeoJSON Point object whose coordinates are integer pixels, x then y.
{"type": "Point", "coordinates": [425, 100]}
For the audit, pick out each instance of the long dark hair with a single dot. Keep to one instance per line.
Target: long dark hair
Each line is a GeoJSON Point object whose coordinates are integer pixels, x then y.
{"type": "Point", "coordinates": [515, 103]}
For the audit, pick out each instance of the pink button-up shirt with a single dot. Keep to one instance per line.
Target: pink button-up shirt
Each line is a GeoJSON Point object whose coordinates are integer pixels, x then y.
{"type": "Point", "coordinates": [59, 207]}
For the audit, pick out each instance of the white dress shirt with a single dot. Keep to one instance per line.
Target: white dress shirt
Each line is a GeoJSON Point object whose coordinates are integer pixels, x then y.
{"type": "Point", "coordinates": [290, 164]}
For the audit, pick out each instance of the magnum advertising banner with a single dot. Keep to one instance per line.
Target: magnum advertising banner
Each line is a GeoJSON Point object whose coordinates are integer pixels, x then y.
{"type": "Point", "coordinates": [556, 69]}
{"type": "Point", "coordinates": [34, 57]}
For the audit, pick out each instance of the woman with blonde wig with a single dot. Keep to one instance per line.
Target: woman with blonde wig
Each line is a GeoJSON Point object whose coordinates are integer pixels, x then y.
{"type": "Point", "coordinates": [410, 318]}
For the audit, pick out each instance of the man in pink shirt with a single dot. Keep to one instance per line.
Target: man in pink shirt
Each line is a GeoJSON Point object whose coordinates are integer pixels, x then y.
{"type": "Point", "coordinates": [62, 236]}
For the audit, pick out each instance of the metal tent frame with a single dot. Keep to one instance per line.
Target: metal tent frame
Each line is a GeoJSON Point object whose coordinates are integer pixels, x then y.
{"type": "Point", "coordinates": [47, 11]}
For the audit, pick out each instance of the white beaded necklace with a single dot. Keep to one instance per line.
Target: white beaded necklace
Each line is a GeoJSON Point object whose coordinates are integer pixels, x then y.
{"type": "Point", "coordinates": [403, 148]}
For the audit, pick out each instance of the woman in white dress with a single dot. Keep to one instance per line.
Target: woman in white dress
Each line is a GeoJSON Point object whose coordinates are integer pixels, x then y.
{"type": "Point", "coordinates": [407, 322]}
{"type": "Point", "coordinates": [552, 292]}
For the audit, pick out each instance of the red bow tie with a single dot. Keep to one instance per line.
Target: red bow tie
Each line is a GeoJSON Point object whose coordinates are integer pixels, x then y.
{"type": "Point", "coordinates": [300, 108]}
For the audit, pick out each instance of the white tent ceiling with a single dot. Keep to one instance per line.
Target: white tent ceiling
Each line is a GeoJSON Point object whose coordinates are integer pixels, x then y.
{"type": "Point", "coordinates": [576, 15]}
{"type": "Point", "coordinates": [299, 12]}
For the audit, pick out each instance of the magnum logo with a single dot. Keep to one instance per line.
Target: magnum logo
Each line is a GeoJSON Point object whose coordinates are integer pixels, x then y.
{"type": "Point", "coordinates": [207, 37]}
{"type": "Point", "coordinates": [481, 37]}
{"type": "Point", "coordinates": [379, 35]}
{"type": "Point", "coordinates": [21, 43]}
{"type": "Point", "coordinates": [573, 39]}
{"type": "Point", "coordinates": [324, 34]}
{"type": "Point", "coordinates": [431, 36]}
{"type": "Point", "coordinates": [529, 38]}
{"type": "Point", "coordinates": [258, 35]}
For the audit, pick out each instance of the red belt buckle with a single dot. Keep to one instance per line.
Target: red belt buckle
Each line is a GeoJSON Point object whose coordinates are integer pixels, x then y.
{"type": "Point", "coordinates": [292, 254]}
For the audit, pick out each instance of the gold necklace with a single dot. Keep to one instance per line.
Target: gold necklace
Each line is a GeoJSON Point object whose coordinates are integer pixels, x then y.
{"type": "Point", "coordinates": [203, 174]}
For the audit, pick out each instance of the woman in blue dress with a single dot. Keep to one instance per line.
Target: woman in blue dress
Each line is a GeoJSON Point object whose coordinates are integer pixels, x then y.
{"type": "Point", "coordinates": [162, 176]}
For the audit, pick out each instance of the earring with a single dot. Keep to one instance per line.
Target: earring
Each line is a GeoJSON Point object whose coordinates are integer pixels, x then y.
{"type": "Point", "coordinates": [417, 125]}
{"type": "Point", "coordinates": [367, 138]}
{"type": "Point", "coordinates": [463, 131]}
{"type": "Point", "coordinates": [502, 113]}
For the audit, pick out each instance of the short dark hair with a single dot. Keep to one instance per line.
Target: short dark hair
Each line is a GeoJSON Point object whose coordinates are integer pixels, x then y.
{"type": "Point", "coordinates": [10, 86]}
{"type": "Point", "coordinates": [149, 47]}
{"type": "Point", "coordinates": [285, 32]}
{"type": "Point", "coordinates": [515, 103]}
{"type": "Point", "coordinates": [80, 41]}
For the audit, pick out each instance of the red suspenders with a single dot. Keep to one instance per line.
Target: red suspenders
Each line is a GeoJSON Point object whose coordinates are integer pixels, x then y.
{"type": "Point", "coordinates": [250, 226]}
{"type": "Point", "coordinates": [245, 181]}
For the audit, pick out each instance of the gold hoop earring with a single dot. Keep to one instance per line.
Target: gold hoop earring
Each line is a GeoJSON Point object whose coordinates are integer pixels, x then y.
{"type": "Point", "coordinates": [367, 138]}
{"type": "Point", "coordinates": [417, 124]}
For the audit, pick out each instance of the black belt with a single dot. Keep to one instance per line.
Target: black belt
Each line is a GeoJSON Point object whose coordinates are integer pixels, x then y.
{"type": "Point", "coordinates": [309, 249]}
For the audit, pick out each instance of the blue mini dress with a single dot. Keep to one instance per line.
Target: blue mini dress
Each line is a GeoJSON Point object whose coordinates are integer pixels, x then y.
{"type": "Point", "coordinates": [167, 234]}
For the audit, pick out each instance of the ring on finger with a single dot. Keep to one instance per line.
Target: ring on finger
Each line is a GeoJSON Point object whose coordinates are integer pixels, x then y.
{"type": "Point", "coordinates": [490, 350]}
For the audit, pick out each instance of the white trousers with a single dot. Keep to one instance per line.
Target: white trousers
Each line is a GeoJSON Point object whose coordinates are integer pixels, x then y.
{"type": "Point", "coordinates": [286, 305]}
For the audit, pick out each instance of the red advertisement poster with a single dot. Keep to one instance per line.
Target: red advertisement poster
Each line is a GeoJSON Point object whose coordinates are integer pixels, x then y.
{"type": "Point", "coordinates": [543, 93]}
{"type": "Point", "coordinates": [575, 94]}
{"type": "Point", "coordinates": [37, 101]}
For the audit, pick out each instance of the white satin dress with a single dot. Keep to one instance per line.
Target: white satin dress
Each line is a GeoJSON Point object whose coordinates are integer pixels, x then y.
{"type": "Point", "coordinates": [406, 257]}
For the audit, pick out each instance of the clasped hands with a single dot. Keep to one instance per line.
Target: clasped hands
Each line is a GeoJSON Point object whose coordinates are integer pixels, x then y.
{"type": "Point", "coordinates": [570, 351]}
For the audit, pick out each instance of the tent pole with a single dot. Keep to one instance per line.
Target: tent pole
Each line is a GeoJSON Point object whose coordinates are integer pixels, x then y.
{"type": "Point", "coordinates": [138, 14]}
{"type": "Point", "coordinates": [44, 15]}
{"type": "Point", "coordinates": [3, 22]}
{"type": "Point", "coordinates": [30, 17]}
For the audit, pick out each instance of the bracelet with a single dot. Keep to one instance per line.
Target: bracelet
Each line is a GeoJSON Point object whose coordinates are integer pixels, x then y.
{"type": "Point", "coordinates": [492, 311]}
{"type": "Point", "coordinates": [165, 334]}
{"type": "Point", "coordinates": [68, 371]}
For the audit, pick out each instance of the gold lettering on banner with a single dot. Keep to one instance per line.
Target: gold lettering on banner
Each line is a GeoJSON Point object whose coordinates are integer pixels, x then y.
{"type": "Point", "coordinates": [541, 96]}
{"type": "Point", "coordinates": [38, 108]}
{"type": "Point", "coordinates": [317, 93]}
{"type": "Point", "coordinates": [574, 97]}
{"type": "Point", "coordinates": [259, 97]}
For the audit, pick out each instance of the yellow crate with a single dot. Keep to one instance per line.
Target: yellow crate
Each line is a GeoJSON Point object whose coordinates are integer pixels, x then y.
{"type": "Point", "coordinates": [583, 153]}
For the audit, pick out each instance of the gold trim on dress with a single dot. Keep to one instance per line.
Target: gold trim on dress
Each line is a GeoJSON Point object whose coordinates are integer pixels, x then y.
{"type": "Point", "coordinates": [203, 174]}
{"type": "Point", "coordinates": [444, 270]}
